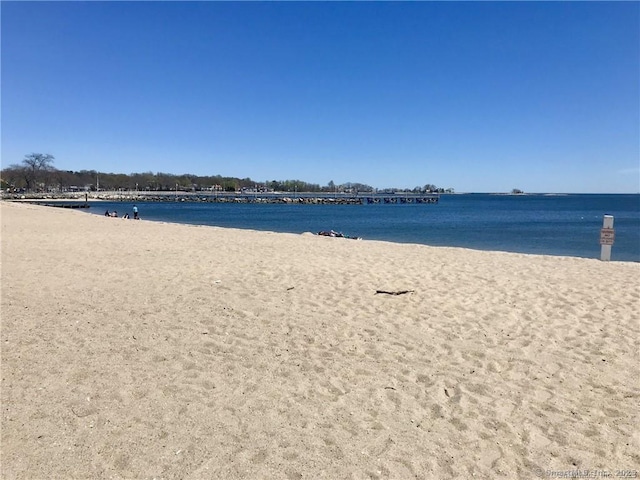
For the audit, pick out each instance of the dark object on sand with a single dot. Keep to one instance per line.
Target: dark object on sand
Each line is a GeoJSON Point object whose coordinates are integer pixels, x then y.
{"type": "Point", "coordinates": [398, 292]}
{"type": "Point", "coordinates": [332, 233]}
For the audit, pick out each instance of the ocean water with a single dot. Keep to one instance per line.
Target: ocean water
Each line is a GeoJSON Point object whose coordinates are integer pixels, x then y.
{"type": "Point", "coordinates": [539, 224]}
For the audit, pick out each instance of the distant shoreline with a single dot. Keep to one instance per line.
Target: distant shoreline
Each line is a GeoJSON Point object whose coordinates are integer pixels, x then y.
{"type": "Point", "coordinates": [164, 194]}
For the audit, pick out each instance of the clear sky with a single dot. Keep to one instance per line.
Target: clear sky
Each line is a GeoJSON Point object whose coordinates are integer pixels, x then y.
{"type": "Point", "coordinates": [477, 96]}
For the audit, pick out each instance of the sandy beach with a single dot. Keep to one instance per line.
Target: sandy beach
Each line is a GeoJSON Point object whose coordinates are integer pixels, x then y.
{"type": "Point", "coordinates": [139, 350]}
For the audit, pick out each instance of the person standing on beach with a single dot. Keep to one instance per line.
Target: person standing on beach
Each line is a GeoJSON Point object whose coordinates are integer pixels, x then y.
{"type": "Point", "coordinates": [135, 213]}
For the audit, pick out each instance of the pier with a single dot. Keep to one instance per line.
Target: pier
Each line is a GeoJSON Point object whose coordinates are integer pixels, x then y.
{"type": "Point", "coordinates": [65, 205]}
{"type": "Point", "coordinates": [61, 203]}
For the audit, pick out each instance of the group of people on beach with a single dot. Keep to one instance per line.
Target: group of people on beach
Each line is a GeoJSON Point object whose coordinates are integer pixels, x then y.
{"type": "Point", "coordinates": [125, 216]}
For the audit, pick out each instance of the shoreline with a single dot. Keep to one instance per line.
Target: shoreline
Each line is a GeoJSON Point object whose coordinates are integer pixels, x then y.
{"type": "Point", "coordinates": [594, 255]}
{"type": "Point", "coordinates": [141, 349]}
{"type": "Point", "coordinates": [397, 242]}
{"type": "Point", "coordinates": [390, 242]}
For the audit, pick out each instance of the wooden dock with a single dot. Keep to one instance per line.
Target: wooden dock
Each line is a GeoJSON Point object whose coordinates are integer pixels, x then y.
{"type": "Point", "coordinates": [61, 204]}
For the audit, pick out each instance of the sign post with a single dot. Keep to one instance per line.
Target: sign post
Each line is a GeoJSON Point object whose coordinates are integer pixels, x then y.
{"type": "Point", "coordinates": [607, 235]}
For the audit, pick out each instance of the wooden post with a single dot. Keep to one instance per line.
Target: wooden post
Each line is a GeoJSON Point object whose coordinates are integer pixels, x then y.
{"type": "Point", "coordinates": [606, 238]}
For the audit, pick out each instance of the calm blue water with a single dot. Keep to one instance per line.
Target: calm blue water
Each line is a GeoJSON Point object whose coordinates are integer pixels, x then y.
{"type": "Point", "coordinates": [552, 225]}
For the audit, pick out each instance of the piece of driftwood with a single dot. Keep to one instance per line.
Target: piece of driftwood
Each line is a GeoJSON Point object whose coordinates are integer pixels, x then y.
{"type": "Point", "coordinates": [397, 292]}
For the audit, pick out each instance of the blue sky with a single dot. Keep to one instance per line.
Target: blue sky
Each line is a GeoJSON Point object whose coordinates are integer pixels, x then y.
{"type": "Point", "coordinates": [477, 96]}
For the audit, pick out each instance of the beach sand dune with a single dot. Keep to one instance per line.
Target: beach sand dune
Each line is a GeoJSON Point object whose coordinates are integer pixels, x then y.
{"type": "Point", "coordinates": [135, 349]}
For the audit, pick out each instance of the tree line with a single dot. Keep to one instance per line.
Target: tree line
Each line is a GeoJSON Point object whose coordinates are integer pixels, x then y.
{"type": "Point", "coordinates": [36, 173]}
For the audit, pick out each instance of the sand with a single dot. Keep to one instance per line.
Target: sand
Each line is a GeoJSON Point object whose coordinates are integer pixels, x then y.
{"type": "Point", "coordinates": [139, 350]}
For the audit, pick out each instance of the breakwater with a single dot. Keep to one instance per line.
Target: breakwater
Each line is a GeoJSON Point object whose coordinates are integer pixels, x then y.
{"type": "Point", "coordinates": [288, 199]}
{"type": "Point", "coordinates": [242, 197]}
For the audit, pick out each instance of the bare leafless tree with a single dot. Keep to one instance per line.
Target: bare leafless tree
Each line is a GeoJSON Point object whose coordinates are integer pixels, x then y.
{"type": "Point", "coordinates": [35, 168]}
